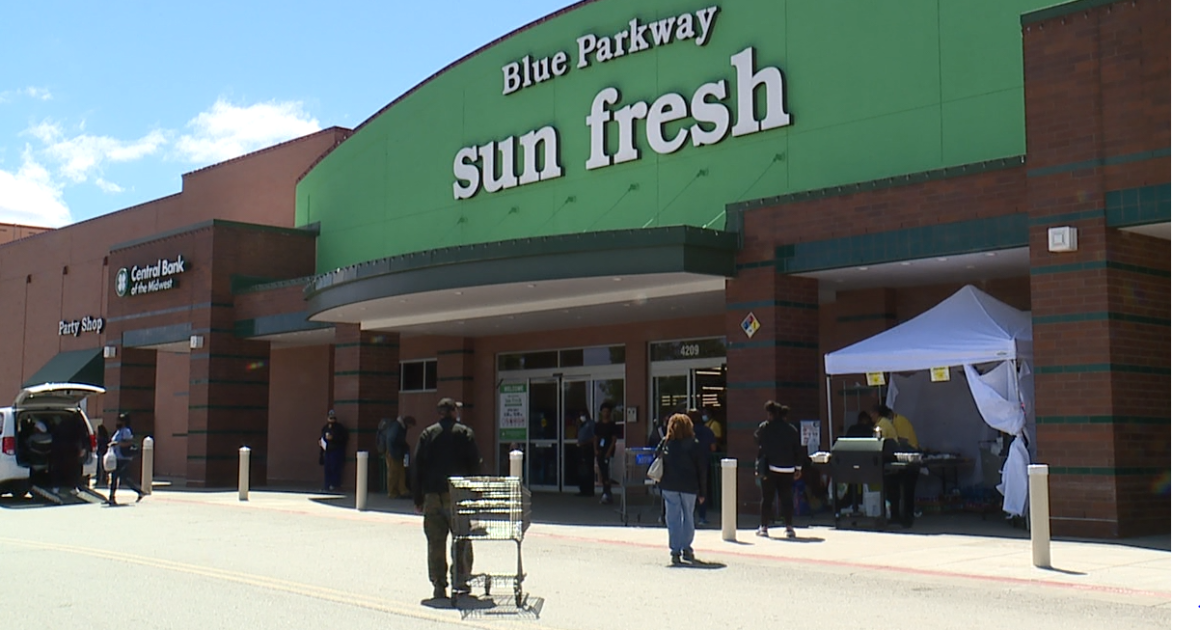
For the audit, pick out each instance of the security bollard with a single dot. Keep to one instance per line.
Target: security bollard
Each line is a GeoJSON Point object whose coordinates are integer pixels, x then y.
{"type": "Point", "coordinates": [1039, 514]}
{"type": "Point", "coordinates": [148, 465]}
{"type": "Point", "coordinates": [244, 473]}
{"type": "Point", "coordinates": [360, 483]}
{"type": "Point", "coordinates": [729, 499]}
{"type": "Point", "coordinates": [516, 464]}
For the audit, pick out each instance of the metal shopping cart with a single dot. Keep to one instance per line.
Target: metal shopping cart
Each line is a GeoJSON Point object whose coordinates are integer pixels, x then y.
{"type": "Point", "coordinates": [639, 495]}
{"type": "Point", "coordinates": [488, 508]}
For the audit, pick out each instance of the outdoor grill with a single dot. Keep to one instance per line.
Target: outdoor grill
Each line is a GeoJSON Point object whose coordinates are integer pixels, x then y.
{"type": "Point", "coordinates": [860, 460]}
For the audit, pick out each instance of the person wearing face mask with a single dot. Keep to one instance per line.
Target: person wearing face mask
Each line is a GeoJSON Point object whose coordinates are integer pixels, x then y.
{"type": "Point", "coordinates": [718, 432]}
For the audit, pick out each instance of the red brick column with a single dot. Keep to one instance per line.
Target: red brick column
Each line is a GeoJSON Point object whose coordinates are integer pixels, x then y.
{"type": "Point", "coordinates": [366, 384]}
{"type": "Point", "coordinates": [1095, 112]}
{"type": "Point", "coordinates": [456, 379]}
{"type": "Point", "coordinates": [129, 388]}
{"type": "Point", "coordinates": [228, 398]}
{"type": "Point", "coordinates": [780, 362]}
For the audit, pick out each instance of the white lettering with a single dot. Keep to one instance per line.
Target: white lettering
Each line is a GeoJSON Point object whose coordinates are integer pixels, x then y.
{"type": "Point", "coordinates": [541, 70]}
{"type": "Point", "coordinates": [525, 64]}
{"type": "Point", "coordinates": [466, 173]}
{"type": "Point", "coordinates": [706, 112]}
{"type": "Point", "coordinates": [626, 150]}
{"type": "Point", "coordinates": [587, 45]}
{"type": "Point", "coordinates": [512, 77]}
{"type": "Point", "coordinates": [559, 64]}
{"type": "Point", "coordinates": [637, 36]}
{"type": "Point", "coordinates": [706, 17]}
{"type": "Point", "coordinates": [604, 50]}
{"type": "Point", "coordinates": [619, 39]}
{"type": "Point", "coordinates": [668, 108]}
{"type": "Point", "coordinates": [596, 121]}
{"type": "Point", "coordinates": [507, 163]}
{"type": "Point", "coordinates": [661, 31]}
{"type": "Point", "coordinates": [683, 27]}
{"type": "Point", "coordinates": [747, 80]}
{"type": "Point", "coordinates": [547, 137]}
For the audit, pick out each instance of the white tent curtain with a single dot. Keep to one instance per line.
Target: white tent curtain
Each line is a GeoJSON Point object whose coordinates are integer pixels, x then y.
{"type": "Point", "coordinates": [996, 397]}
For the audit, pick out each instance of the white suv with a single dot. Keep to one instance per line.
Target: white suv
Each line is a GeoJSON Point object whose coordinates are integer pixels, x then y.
{"type": "Point", "coordinates": [27, 430]}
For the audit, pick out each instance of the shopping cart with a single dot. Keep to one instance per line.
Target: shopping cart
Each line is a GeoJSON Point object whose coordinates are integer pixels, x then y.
{"type": "Point", "coordinates": [488, 508]}
{"type": "Point", "coordinates": [637, 490]}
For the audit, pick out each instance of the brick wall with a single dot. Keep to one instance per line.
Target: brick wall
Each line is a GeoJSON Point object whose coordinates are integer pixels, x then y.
{"type": "Point", "coordinates": [1098, 111]}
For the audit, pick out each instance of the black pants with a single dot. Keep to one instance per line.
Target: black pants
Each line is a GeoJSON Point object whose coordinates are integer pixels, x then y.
{"type": "Point", "coordinates": [901, 491]}
{"type": "Point", "coordinates": [587, 465]}
{"type": "Point", "coordinates": [121, 475]}
{"type": "Point", "coordinates": [604, 477]}
{"type": "Point", "coordinates": [777, 484]}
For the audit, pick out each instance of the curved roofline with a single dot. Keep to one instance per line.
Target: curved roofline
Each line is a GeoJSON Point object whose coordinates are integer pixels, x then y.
{"type": "Point", "coordinates": [446, 69]}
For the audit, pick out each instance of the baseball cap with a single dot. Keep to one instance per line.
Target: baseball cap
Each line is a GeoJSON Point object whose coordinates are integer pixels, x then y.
{"type": "Point", "coordinates": [447, 403]}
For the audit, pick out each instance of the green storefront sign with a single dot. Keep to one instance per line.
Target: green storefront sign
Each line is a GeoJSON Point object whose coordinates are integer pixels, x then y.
{"type": "Point", "coordinates": [620, 115]}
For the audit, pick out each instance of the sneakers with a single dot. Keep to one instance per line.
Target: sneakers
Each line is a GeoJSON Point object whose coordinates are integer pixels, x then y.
{"type": "Point", "coordinates": [689, 555]}
{"type": "Point", "coordinates": [675, 559]}
{"type": "Point", "coordinates": [791, 533]}
{"type": "Point", "coordinates": [440, 593]}
{"type": "Point", "coordinates": [606, 499]}
{"type": "Point", "coordinates": [702, 521]}
{"type": "Point", "coordinates": [762, 531]}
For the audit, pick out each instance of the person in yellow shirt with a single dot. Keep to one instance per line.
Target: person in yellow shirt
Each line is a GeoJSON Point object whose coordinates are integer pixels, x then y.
{"type": "Point", "coordinates": [904, 430]}
{"type": "Point", "coordinates": [886, 428]}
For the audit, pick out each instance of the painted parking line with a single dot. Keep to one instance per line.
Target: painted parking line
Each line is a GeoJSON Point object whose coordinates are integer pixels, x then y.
{"type": "Point", "coordinates": [266, 582]}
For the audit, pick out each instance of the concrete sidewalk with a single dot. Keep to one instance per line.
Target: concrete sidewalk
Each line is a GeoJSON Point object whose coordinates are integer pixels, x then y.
{"type": "Point", "coordinates": [995, 552]}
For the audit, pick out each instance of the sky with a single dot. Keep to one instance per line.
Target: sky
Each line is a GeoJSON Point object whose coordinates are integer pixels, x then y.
{"type": "Point", "coordinates": [105, 105]}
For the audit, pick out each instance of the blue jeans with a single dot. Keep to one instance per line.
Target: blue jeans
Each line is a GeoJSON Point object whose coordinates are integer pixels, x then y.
{"type": "Point", "coordinates": [681, 527]}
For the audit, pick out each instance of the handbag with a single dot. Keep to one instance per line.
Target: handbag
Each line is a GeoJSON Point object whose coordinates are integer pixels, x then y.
{"type": "Point", "coordinates": [655, 472]}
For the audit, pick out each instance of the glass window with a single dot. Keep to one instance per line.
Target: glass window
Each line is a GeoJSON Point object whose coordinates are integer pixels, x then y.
{"type": "Point", "coordinates": [418, 376]}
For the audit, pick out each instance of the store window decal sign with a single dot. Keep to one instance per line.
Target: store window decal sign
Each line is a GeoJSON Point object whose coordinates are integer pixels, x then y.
{"type": "Point", "coordinates": [476, 167]}
{"type": "Point", "coordinates": [152, 278]}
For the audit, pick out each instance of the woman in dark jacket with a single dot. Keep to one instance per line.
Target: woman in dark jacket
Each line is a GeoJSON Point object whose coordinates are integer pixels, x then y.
{"type": "Point", "coordinates": [682, 485]}
{"type": "Point", "coordinates": [779, 463]}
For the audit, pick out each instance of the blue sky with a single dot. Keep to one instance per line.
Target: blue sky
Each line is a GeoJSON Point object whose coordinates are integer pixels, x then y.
{"type": "Point", "coordinates": [104, 105]}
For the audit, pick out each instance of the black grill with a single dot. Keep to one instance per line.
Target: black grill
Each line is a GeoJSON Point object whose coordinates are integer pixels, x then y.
{"type": "Point", "coordinates": [860, 460]}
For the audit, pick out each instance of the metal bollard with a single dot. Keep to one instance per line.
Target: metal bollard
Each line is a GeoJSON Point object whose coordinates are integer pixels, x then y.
{"type": "Point", "coordinates": [148, 465]}
{"type": "Point", "coordinates": [729, 499]}
{"type": "Point", "coordinates": [244, 473]}
{"type": "Point", "coordinates": [360, 483]}
{"type": "Point", "coordinates": [1039, 514]}
{"type": "Point", "coordinates": [516, 464]}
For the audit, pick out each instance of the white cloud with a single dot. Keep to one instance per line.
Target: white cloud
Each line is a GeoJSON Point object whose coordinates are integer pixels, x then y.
{"type": "Point", "coordinates": [227, 131]}
{"type": "Point", "coordinates": [31, 197]}
{"type": "Point", "coordinates": [81, 157]}
{"type": "Point", "coordinates": [41, 94]}
{"type": "Point", "coordinates": [107, 186]}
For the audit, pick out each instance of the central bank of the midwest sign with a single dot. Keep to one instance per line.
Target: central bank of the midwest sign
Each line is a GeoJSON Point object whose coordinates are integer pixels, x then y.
{"type": "Point", "coordinates": [535, 156]}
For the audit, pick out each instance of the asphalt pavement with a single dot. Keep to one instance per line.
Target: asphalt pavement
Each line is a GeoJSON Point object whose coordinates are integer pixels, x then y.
{"type": "Point", "coordinates": [203, 559]}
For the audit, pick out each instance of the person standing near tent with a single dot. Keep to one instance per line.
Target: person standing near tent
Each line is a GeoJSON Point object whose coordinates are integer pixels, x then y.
{"type": "Point", "coordinates": [902, 486]}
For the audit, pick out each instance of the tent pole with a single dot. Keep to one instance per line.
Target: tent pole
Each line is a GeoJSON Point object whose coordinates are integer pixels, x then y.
{"type": "Point", "coordinates": [829, 407]}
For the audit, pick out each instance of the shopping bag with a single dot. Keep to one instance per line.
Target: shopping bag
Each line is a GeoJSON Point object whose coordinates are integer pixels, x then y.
{"type": "Point", "coordinates": [110, 460]}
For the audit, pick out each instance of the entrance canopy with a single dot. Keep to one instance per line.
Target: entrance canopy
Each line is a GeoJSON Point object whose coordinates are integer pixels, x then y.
{"type": "Point", "coordinates": [967, 328]}
{"type": "Point", "coordinates": [75, 366]}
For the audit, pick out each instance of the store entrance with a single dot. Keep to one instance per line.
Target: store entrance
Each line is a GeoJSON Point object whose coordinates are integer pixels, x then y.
{"type": "Point", "coordinates": [687, 375]}
{"type": "Point", "coordinates": [542, 404]}
{"type": "Point", "coordinates": [556, 406]}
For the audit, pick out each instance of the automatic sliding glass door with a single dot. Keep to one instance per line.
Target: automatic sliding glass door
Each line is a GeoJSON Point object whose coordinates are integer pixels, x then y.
{"type": "Point", "coordinates": [544, 434]}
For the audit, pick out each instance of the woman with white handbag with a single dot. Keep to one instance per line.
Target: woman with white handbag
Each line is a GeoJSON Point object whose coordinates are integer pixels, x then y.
{"type": "Point", "coordinates": [681, 484]}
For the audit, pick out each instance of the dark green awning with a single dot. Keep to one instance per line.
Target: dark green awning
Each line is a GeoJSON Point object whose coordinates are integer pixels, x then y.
{"type": "Point", "coordinates": [76, 366]}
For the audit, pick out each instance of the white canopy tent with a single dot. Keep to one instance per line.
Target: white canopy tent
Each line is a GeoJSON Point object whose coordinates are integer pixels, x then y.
{"type": "Point", "coordinates": [992, 342]}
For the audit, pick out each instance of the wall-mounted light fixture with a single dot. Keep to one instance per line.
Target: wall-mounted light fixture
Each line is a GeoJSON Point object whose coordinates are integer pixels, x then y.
{"type": "Point", "coordinates": [110, 352]}
{"type": "Point", "coordinates": [196, 342]}
{"type": "Point", "coordinates": [1063, 239]}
